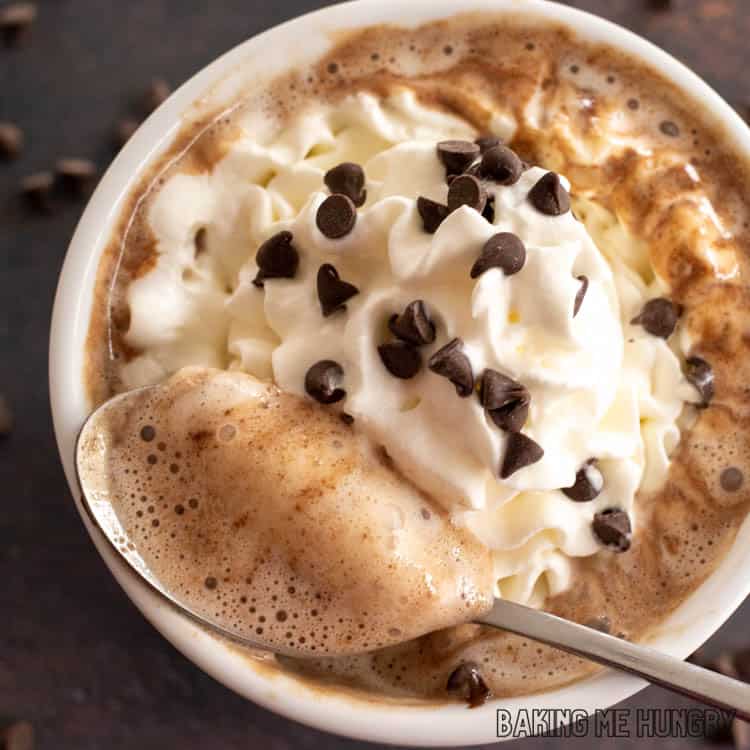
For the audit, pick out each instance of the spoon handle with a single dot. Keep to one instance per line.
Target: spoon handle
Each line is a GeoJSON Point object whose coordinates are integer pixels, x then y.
{"type": "Point", "coordinates": [681, 677]}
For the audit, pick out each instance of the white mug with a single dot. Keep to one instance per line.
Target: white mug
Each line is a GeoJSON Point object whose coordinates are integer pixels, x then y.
{"type": "Point", "coordinates": [261, 57]}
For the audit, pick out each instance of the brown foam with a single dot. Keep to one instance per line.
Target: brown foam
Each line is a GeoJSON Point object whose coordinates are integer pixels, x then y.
{"type": "Point", "coordinates": [474, 66]}
{"type": "Point", "coordinates": [265, 513]}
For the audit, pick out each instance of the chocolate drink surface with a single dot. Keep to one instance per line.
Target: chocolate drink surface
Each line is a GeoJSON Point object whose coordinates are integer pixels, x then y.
{"type": "Point", "coordinates": [546, 330]}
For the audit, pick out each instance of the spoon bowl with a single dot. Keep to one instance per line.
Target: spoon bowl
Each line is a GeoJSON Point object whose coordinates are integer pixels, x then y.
{"type": "Point", "coordinates": [267, 518]}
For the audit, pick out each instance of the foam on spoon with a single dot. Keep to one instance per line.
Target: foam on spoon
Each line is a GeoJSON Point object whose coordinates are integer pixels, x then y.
{"type": "Point", "coordinates": [267, 514]}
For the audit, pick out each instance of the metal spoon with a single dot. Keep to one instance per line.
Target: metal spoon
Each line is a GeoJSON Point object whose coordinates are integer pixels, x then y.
{"type": "Point", "coordinates": [681, 677]}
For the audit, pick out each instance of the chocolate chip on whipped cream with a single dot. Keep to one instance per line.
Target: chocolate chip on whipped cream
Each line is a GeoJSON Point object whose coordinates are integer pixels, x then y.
{"type": "Point", "coordinates": [659, 317]}
{"type": "Point", "coordinates": [277, 258]}
{"type": "Point", "coordinates": [506, 400]}
{"type": "Point", "coordinates": [580, 294]}
{"type": "Point", "coordinates": [466, 680]}
{"type": "Point", "coordinates": [701, 375]}
{"type": "Point", "coordinates": [589, 483]}
{"type": "Point", "coordinates": [413, 325]}
{"type": "Point", "coordinates": [520, 451]}
{"type": "Point", "coordinates": [452, 363]}
{"type": "Point", "coordinates": [333, 292]}
{"type": "Point", "coordinates": [322, 382]}
{"type": "Point", "coordinates": [336, 216]}
{"type": "Point", "coordinates": [467, 190]}
{"type": "Point", "coordinates": [456, 156]}
{"type": "Point", "coordinates": [347, 179]}
{"type": "Point", "coordinates": [502, 165]}
{"type": "Point", "coordinates": [486, 142]}
{"type": "Point", "coordinates": [505, 251]}
{"type": "Point", "coordinates": [612, 528]}
{"type": "Point", "coordinates": [402, 360]}
{"type": "Point", "coordinates": [549, 196]}
{"type": "Point", "coordinates": [433, 214]}
{"type": "Point", "coordinates": [489, 209]}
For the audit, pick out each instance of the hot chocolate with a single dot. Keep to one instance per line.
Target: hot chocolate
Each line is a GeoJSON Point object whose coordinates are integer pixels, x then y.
{"type": "Point", "coordinates": [517, 262]}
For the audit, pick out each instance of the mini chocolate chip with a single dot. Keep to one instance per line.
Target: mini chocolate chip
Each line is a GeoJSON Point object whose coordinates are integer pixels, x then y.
{"type": "Point", "coordinates": [472, 169]}
{"type": "Point", "coordinates": [157, 93]}
{"type": "Point", "coordinates": [589, 483]}
{"type": "Point", "coordinates": [322, 382]}
{"type": "Point", "coordinates": [125, 130]}
{"type": "Point", "coordinates": [489, 209]}
{"type": "Point", "coordinates": [486, 142]}
{"type": "Point", "coordinates": [332, 291]}
{"type": "Point", "coordinates": [452, 363]}
{"type": "Point", "coordinates": [612, 528]}
{"type": "Point", "coordinates": [659, 317]}
{"type": "Point", "coordinates": [347, 179]}
{"type": "Point", "coordinates": [413, 325]}
{"type": "Point", "coordinates": [502, 165]}
{"type": "Point", "coordinates": [580, 294]}
{"type": "Point", "coordinates": [277, 258]}
{"type": "Point", "coordinates": [15, 20]}
{"type": "Point", "coordinates": [6, 417]}
{"type": "Point", "coordinates": [669, 129]}
{"type": "Point", "coordinates": [11, 140]}
{"type": "Point", "coordinates": [400, 359]}
{"type": "Point", "coordinates": [659, 4]}
{"type": "Point", "coordinates": [506, 400]}
{"type": "Point", "coordinates": [347, 419]}
{"type": "Point", "coordinates": [467, 190]}
{"type": "Point", "coordinates": [505, 251]}
{"type": "Point", "coordinates": [520, 451]}
{"type": "Point", "coordinates": [336, 216]}
{"type": "Point", "coordinates": [466, 680]}
{"type": "Point", "coordinates": [457, 155]}
{"type": "Point", "coordinates": [76, 176]}
{"type": "Point", "coordinates": [37, 190]}
{"type": "Point", "coordinates": [433, 214]}
{"type": "Point", "coordinates": [731, 479]}
{"type": "Point", "coordinates": [601, 623]}
{"type": "Point", "coordinates": [701, 375]}
{"type": "Point", "coordinates": [549, 196]}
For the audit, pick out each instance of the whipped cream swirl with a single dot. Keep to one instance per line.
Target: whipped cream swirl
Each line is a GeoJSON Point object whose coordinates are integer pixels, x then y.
{"type": "Point", "coordinates": [600, 387]}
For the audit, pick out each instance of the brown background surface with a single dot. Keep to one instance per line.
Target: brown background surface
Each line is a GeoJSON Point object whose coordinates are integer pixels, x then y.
{"type": "Point", "coordinates": [76, 658]}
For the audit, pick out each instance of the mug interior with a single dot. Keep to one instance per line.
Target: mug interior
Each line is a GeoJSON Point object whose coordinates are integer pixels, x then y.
{"type": "Point", "coordinates": [265, 56]}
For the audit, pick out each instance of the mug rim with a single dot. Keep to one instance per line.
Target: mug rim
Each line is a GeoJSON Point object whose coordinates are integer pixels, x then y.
{"type": "Point", "coordinates": [386, 721]}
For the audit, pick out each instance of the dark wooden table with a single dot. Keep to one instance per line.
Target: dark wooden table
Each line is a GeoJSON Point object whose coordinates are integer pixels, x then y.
{"type": "Point", "coordinates": [76, 658]}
